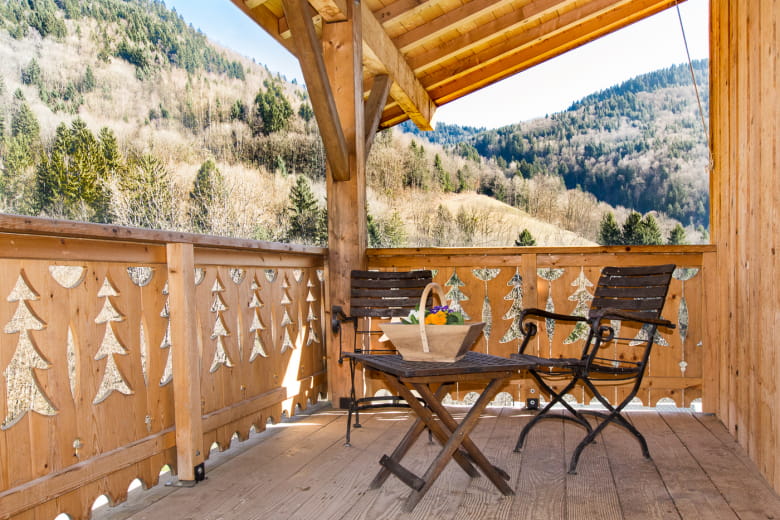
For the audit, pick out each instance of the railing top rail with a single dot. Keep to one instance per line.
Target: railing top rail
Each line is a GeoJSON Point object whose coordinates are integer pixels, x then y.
{"type": "Point", "coordinates": [25, 225]}
{"type": "Point", "coordinates": [593, 250]}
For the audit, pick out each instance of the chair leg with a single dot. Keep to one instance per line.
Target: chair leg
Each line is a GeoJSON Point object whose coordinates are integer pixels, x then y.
{"type": "Point", "coordinates": [615, 416]}
{"type": "Point", "coordinates": [353, 408]}
{"type": "Point", "coordinates": [557, 397]}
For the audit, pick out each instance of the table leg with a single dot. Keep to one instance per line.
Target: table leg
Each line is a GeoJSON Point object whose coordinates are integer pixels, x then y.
{"type": "Point", "coordinates": [408, 440]}
{"type": "Point", "coordinates": [497, 476]}
{"type": "Point", "coordinates": [452, 445]}
{"type": "Point", "coordinates": [437, 428]}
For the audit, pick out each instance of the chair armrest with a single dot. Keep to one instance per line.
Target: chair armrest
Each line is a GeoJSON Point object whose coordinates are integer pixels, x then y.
{"type": "Point", "coordinates": [549, 315]}
{"type": "Point", "coordinates": [609, 313]}
{"type": "Point", "coordinates": [530, 329]}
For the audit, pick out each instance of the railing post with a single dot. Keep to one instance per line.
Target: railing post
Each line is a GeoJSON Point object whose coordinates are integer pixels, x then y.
{"type": "Point", "coordinates": [186, 362]}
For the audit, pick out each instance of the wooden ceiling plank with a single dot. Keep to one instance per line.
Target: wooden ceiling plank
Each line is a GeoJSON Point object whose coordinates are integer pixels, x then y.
{"type": "Point", "coordinates": [267, 20]}
{"type": "Point", "coordinates": [374, 107]}
{"type": "Point", "coordinates": [484, 33]}
{"type": "Point", "coordinates": [406, 89]}
{"type": "Point", "coordinates": [433, 28]}
{"type": "Point", "coordinates": [310, 58]}
{"type": "Point", "coordinates": [574, 35]}
{"type": "Point", "coordinates": [531, 37]}
{"type": "Point", "coordinates": [399, 8]}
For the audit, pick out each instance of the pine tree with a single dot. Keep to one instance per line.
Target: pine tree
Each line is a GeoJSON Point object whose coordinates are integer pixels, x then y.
{"type": "Point", "coordinates": [525, 239]}
{"type": "Point", "coordinates": [304, 213]}
{"type": "Point", "coordinates": [650, 232]}
{"type": "Point", "coordinates": [632, 230]}
{"type": "Point", "coordinates": [207, 190]}
{"type": "Point", "coordinates": [609, 231]}
{"type": "Point", "coordinates": [677, 236]}
{"type": "Point", "coordinates": [272, 109]}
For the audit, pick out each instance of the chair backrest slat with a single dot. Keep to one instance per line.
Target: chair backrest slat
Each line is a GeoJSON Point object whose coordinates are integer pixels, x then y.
{"type": "Point", "coordinates": [381, 294]}
{"type": "Point", "coordinates": [641, 290]}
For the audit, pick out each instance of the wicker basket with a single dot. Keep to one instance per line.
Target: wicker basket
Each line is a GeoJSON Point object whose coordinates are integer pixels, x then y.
{"type": "Point", "coordinates": [441, 343]}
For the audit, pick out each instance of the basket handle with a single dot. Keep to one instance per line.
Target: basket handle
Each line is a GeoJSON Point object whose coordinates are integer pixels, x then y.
{"type": "Point", "coordinates": [433, 286]}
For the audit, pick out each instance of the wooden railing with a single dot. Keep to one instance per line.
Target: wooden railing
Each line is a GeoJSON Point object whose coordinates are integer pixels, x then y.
{"type": "Point", "coordinates": [494, 285]}
{"type": "Point", "coordinates": [97, 324]}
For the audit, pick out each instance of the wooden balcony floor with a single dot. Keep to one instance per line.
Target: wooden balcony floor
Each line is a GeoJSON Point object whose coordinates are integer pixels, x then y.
{"type": "Point", "coordinates": [300, 469]}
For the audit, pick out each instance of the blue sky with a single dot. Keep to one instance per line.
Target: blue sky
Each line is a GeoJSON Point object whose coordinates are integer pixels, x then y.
{"type": "Point", "coordinates": [645, 46]}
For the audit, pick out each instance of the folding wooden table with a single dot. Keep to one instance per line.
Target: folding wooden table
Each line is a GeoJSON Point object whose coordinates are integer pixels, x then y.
{"type": "Point", "coordinates": [432, 381]}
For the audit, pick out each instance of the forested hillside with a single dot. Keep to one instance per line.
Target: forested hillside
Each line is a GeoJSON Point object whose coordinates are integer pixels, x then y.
{"type": "Point", "coordinates": [118, 111]}
{"type": "Point", "coordinates": [640, 144]}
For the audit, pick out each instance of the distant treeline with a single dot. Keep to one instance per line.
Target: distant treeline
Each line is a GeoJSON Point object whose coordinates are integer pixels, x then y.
{"type": "Point", "coordinates": [633, 145]}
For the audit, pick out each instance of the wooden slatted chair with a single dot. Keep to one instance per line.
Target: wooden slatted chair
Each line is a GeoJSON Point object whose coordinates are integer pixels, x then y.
{"type": "Point", "coordinates": [622, 322]}
{"type": "Point", "coordinates": [375, 295]}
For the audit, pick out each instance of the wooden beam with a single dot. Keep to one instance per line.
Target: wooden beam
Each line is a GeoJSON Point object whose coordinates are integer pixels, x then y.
{"type": "Point", "coordinates": [445, 22]}
{"type": "Point", "coordinates": [516, 20]}
{"type": "Point", "coordinates": [331, 10]}
{"type": "Point", "coordinates": [312, 64]}
{"type": "Point", "coordinates": [540, 44]}
{"type": "Point", "coordinates": [374, 107]}
{"type": "Point", "coordinates": [186, 360]}
{"type": "Point", "coordinates": [251, 4]}
{"type": "Point", "coordinates": [407, 90]}
{"type": "Point", "coordinates": [265, 19]}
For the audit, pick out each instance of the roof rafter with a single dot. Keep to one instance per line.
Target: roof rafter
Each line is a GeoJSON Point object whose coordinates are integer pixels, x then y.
{"type": "Point", "coordinates": [298, 14]}
{"type": "Point", "coordinates": [582, 29]}
{"type": "Point", "coordinates": [509, 22]}
{"type": "Point", "coordinates": [445, 22]}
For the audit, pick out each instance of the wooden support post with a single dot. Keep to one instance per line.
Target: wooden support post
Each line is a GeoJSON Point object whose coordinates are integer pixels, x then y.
{"type": "Point", "coordinates": [342, 52]}
{"type": "Point", "coordinates": [186, 362]}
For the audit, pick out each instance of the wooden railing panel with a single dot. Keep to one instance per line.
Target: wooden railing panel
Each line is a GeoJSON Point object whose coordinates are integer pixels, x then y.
{"type": "Point", "coordinates": [493, 285]}
{"type": "Point", "coordinates": [86, 353]}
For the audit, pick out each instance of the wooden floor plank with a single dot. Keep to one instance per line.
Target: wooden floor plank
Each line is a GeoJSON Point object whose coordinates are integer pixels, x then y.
{"type": "Point", "coordinates": [481, 499]}
{"type": "Point", "coordinates": [302, 471]}
{"type": "Point", "coordinates": [590, 493]}
{"type": "Point", "coordinates": [642, 493]}
{"type": "Point", "coordinates": [728, 468]}
{"type": "Point", "coordinates": [541, 485]}
{"type": "Point", "coordinates": [275, 441]}
{"type": "Point", "coordinates": [693, 492]}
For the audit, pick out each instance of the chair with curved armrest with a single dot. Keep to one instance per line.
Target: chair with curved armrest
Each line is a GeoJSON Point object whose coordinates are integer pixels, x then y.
{"type": "Point", "coordinates": [622, 322]}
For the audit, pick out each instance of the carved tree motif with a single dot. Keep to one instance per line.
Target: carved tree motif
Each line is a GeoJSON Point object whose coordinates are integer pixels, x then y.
{"type": "Point", "coordinates": [311, 316]}
{"type": "Point", "coordinates": [683, 274]}
{"type": "Point", "coordinates": [258, 349]}
{"type": "Point", "coordinates": [550, 274]}
{"type": "Point", "coordinates": [516, 296]}
{"type": "Point", "coordinates": [113, 380]}
{"type": "Point", "coordinates": [583, 299]}
{"type": "Point", "coordinates": [486, 275]}
{"type": "Point", "coordinates": [287, 342]}
{"type": "Point", "coordinates": [167, 375]}
{"type": "Point", "coordinates": [455, 295]}
{"type": "Point", "coordinates": [22, 387]}
{"type": "Point", "coordinates": [219, 331]}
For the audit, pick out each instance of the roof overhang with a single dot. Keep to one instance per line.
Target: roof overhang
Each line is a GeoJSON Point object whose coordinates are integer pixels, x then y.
{"type": "Point", "coordinates": [436, 51]}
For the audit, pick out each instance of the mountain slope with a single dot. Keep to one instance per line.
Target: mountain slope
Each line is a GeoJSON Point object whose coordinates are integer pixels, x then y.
{"type": "Point", "coordinates": [639, 144]}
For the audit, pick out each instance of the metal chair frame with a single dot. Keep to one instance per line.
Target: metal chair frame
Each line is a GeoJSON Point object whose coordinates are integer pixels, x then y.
{"type": "Point", "coordinates": [380, 295]}
{"type": "Point", "coordinates": [623, 294]}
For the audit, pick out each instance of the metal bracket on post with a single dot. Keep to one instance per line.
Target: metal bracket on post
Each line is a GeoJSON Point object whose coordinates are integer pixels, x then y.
{"type": "Point", "coordinates": [200, 474]}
